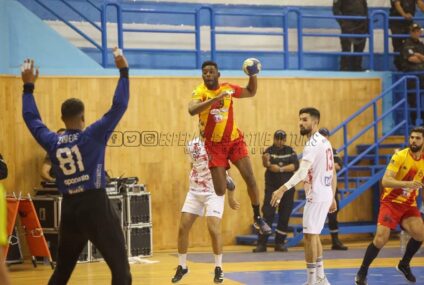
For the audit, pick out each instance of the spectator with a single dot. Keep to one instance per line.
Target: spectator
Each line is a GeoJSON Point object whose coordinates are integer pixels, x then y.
{"type": "Point", "coordinates": [280, 162]}
{"type": "Point", "coordinates": [405, 9]}
{"type": "Point", "coordinates": [351, 8]}
{"type": "Point", "coordinates": [412, 60]}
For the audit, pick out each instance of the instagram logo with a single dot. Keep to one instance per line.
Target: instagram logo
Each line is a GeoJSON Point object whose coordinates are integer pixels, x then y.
{"type": "Point", "coordinates": [149, 138]}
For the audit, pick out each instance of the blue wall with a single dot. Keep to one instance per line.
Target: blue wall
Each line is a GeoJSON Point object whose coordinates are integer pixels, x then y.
{"type": "Point", "coordinates": [24, 35]}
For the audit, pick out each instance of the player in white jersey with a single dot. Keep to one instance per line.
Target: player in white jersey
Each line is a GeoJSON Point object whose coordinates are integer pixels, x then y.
{"type": "Point", "coordinates": [317, 172]}
{"type": "Point", "coordinates": [201, 200]}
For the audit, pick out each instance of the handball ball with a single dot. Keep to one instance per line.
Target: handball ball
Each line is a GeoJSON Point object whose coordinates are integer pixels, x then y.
{"type": "Point", "coordinates": [252, 66]}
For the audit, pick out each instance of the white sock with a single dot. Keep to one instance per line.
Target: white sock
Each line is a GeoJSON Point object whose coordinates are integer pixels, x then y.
{"type": "Point", "coordinates": [320, 267]}
{"type": "Point", "coordinates": [311, 269]}
{"type": "Point", "coordinates": [218, 260]}
{"type": "Point", "coordinates": [182, 260]}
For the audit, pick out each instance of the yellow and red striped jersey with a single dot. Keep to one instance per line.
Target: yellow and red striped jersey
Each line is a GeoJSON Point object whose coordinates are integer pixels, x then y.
{"type": "Point", "coordinates": [407, 169]}
{"type": "Point", "coordinates": [217, 123]}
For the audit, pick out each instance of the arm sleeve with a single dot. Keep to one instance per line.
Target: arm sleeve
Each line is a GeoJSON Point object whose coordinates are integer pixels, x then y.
{"type": "Point", "coordinates": [3, 168]}
{"type": "Point", "coordinates": [102, 129]}
{"type": "Point", "coordinates": [309, 154]}
{"type": "Point", "coordinates": [299, 175]}
{"type": "Point", "coordinates": [32, 119]}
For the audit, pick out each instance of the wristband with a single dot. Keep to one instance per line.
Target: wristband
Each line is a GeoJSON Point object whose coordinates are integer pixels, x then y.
{"type": "Point", "coordinates": [29, 88]}
{"type": "Point", "coordinates": [124, 72]}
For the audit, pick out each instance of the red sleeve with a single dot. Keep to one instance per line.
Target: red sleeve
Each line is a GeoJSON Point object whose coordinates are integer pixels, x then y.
{"type": "Point", "coordinates": [237, 90]}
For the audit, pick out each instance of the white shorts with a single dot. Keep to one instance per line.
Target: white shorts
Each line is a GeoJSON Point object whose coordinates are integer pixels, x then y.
{"type": "Point", "coordinates": [209, 205]}
{"type": "Point", "coordinates": [314, 216]}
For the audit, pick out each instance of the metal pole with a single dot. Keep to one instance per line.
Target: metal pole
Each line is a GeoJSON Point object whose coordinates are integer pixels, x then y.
{"type": "Point", "coordinates": [104, 34]}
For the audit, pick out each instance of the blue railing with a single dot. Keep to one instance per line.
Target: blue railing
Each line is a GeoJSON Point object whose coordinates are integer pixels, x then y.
{"type": "Point", "coordinates": [286, 16]}
{"type": "Point", "coordinates": [301, 34]}
{"type": "Point", "coordinates": [376, 173]}
{"type": "Point", "coordinates": [415, 108]}
{"type": "Point", "coordinates": [196, 31]}
{"type": "Point", "coordinates": [72, 26]}
{"type": "Point", "coordinates": [374, 147]}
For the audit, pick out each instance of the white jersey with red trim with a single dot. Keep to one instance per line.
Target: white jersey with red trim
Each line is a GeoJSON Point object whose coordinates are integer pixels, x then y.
{"type": "Point", "coordinates": [200, 175]}
{"type": "Point", "coordinates": [318, 183]}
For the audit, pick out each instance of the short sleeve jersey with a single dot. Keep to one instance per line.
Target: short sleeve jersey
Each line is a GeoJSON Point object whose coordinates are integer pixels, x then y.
{"type": "Point", "coordinates": [217, 123]}
{"type": "Point", "coordinates": [318, 183]}
{"type": "Point", "coordinates": [406, 169]}
{"type": "Point", "coordinates": [200, 175]}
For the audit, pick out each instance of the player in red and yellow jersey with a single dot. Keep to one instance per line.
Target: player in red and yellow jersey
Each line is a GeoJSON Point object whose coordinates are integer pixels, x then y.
{"type": "Point", "coordinates": [213, 102]}
{"type": "Point", "coordinates": [398, 206]}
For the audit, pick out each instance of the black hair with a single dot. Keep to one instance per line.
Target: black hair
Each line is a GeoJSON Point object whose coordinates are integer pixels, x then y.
{"type": "Point", "coordinates": [280, 134]}
{"type": "Point", "coordinates": [72, 108]}
{"type": "Point", "coordinates": [210, 62]}
{"type": "Point", "coordinates": [417, 130]}
{"type": "Point", "coordinates": [313, 112]}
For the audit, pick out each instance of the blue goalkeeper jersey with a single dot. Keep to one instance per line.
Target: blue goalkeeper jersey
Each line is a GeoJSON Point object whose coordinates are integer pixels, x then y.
{"type": "Point", "coordinates": [77, 156]}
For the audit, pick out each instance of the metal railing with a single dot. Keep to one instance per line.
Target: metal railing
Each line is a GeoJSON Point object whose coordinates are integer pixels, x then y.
{"type": "Point", "coordinates": [374, 148]}
{"type": "Point", "coordinates": [79, 13]}
{"type": "Point", "coordinates": [376, 19]}
{"type": "Point", "coordinates": [196, 31]}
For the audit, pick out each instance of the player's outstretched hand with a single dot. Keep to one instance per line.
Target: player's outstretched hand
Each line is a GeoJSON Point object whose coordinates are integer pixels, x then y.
{"type": "Point", "coordinates": [27, 71]}
{"type": "Point", "coordinates": [333, 206]}
{"type": "Point", "coordinates": [120, 60]}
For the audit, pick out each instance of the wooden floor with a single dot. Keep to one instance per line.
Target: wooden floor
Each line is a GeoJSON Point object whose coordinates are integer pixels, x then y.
{"type": "Point", "coordinates": [161, 267]}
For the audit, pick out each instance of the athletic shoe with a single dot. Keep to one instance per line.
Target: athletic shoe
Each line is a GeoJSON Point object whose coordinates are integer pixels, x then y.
{"type": "Point", "coordinates": [338, 245]}
{"type": "Point", "coordinates": [405, 269]}
{"type": "Point", "coordinates": [281, 247]}
{"type": "Point", "coordinates": [259, 248]}
{"type": "Point", "coordinates": [361, 279]}
{"type": "Point", "coordinates": [219, 275]}
{"type": "Point", "coordinates": [179, 274]}
{"type": "Point", "coordinates": [262, 226]}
